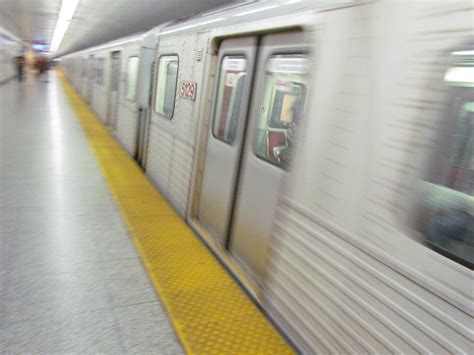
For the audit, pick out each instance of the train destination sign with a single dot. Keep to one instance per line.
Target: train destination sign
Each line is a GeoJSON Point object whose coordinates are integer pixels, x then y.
{"type": "Point", "coordinates": [188, 90]}
{"type": "Point", "coordinates": [288, 65]}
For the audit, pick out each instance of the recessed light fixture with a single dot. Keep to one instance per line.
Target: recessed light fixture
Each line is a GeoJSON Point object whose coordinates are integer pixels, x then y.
{"type": "Point", "coordinates": [66, 13]}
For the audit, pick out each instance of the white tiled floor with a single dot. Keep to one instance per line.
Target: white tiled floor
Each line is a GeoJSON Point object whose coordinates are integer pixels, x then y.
{"type": "Point", "coordinates": [70, 278]}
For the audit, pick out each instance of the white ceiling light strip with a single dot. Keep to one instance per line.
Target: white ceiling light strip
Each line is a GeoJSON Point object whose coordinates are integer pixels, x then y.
{"type": "Point", "coordinates": [66, 13]}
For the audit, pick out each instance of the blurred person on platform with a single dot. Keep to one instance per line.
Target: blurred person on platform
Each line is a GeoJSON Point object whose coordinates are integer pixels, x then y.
{"type": "Point", "coordinates": [42, 66]}
{"type": "Point", "coordinates": [19, 63]}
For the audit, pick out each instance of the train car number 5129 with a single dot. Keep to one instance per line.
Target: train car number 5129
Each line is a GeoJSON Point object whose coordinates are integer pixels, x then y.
{"type": "Point", "coordinates": [188, 90]}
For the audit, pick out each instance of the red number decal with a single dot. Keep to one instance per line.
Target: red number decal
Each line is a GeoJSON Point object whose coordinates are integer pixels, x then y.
{"type": "Point", "coordinates": [188, 90]}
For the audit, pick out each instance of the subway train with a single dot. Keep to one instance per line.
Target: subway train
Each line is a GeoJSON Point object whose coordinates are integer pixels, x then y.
{"type": "Point", "coordinates": [323, 150]}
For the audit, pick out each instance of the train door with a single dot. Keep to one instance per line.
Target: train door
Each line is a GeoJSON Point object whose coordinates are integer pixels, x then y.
{"type": "Point", "coordinates": [83, 82]}
{"type": "Point", "coordinates": [226, 136]}
{"type": "Point", "coordinates": [113, 101]}
{"type": "Point", "coordinates": [90, 78]}
{"type": "Point", "coordinates": [280, 97]}
{"type": "Point", "coordinates": [248, 152]}
{"type": "Point", "coordinates": [144, 121]}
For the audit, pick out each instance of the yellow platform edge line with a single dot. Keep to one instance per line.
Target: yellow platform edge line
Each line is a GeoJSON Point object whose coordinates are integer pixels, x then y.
{"type": "Point", "coordinates": [211, 314]}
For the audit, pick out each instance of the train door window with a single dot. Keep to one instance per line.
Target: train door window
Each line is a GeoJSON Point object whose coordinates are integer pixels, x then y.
{"type": "Point", "coordinates": [100, 71]}
{"type": "Point", "coordinates": [229, 97]}
{"type": "Point", "coordinates": [166, 85]}
{"type": "Point", "coordinates": [132, 76]}
{"type": "Point", "coordinates": [283, 103]}
{"type": "Point", "coordinates": [115, 71]}
{"type": "Point", "coordinates": [446, 217]}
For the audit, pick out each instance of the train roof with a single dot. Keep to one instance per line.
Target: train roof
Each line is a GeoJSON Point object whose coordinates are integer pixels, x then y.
{"type": "Point", "coordinates": [120, 41]}
{"type": "Point", "coordinates": [244, 12]}
{"type": "Point", "coordinates": [225, 16]}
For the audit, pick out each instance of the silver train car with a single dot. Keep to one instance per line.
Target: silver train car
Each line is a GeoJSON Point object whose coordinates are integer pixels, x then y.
{"type": "Point", "coordinates": [323, 150]}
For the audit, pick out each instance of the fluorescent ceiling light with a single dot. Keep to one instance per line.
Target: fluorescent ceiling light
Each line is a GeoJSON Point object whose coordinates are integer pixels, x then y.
{"type": "Point", "coordinates": [67, 9]}
{"type": "Point", "coordinates": [65, 16]}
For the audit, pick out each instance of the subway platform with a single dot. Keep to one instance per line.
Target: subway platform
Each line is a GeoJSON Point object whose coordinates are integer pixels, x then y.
{"type": "Point", "coordinates": [70, 279]}
{"type": "Point", "coordinates": [82, 269]}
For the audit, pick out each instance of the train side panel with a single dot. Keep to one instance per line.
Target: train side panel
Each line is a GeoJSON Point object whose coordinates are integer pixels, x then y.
{"type": "Point", "coordinates": [343, 275]}
{"type": "Point", "coordinates": [172, 141]}
{"type": "Point", "coordinates": [100, 84]}
{"type": "Point", "coordinates": [82, 83]}
{"type": "Point", "coordinates": [127, 124]}
{"type": "Point", "coordinates": [92, 77]}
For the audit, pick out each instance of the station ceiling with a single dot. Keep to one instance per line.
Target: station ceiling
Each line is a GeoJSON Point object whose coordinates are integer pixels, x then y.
{"type": "Point", "coordinates": [95, 21]}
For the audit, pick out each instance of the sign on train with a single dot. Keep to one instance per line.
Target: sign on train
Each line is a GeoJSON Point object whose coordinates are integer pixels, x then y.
{"type": "Point", "coordinates": [234, 64]}
{"type": "Point", "coordinates": [289, 65]}
{"type": "Point", "coordinates": [188, 90]}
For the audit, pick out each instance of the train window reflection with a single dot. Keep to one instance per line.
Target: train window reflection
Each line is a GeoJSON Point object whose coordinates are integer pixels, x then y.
{"type": "Point", "coordinates": [283, 103]}
{"type": "Point", "coordinates": [132, 76]}
{"type": "Point", "coordinates": [446, 217]}
{"type": "Point", "coordinates": [166, 85]}
{"type": "Point", "coordinates": [229, 97]}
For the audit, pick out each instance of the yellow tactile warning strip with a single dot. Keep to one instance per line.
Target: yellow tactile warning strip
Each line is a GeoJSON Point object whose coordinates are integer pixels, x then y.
{"type": "Point", "coordinates": [209, 311]}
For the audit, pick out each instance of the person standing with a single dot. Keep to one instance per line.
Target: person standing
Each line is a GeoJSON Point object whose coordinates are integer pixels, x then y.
{"type": "Point", "coordinates": [20, 63]}
{"type": "Point", "coordinates": [45, 70]}
{"type": "Point", "coordinates": [42, 66]}
{"type": "Point", "coordinates": [39, 64]}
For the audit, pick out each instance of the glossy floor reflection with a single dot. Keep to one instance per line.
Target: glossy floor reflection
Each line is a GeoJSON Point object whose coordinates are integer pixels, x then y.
{"type": "Point", "coordinates": [70, 278]}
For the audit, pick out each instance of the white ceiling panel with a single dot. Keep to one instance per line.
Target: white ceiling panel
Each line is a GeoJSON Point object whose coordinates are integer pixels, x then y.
{"type": "Point", "coordinates": [95, 21]}
{"type": "Point", "coordinates": [30, 20]}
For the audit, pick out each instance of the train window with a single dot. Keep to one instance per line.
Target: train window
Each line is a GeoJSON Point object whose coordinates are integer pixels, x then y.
{"type": "Point", "coordinates": [100, 71]}
{"type": "Point", "coordinates": [445, 217]}
{"type": "Point", "coordinates": [229, 97]}
{"type": "Point", "coordinates": [132, 76]}
{"type": "Point", "coordinates": [282, 106]}
{"type": "Point", "coordinates": [166, 85]}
